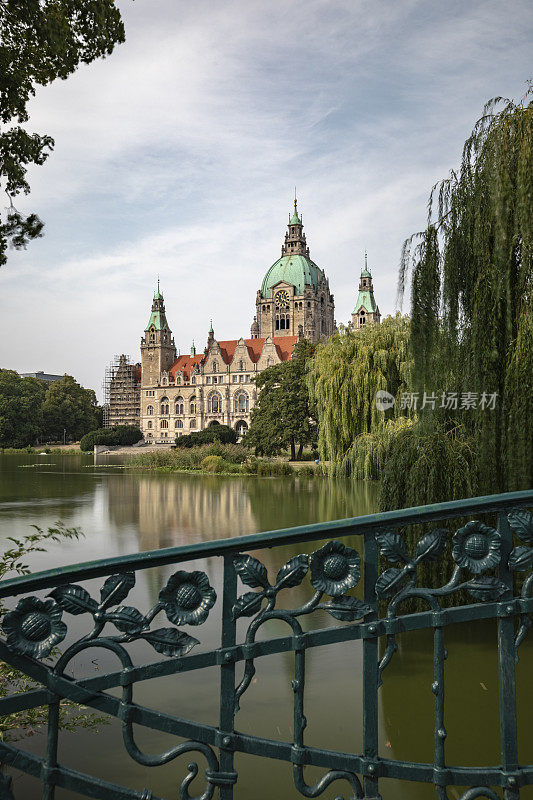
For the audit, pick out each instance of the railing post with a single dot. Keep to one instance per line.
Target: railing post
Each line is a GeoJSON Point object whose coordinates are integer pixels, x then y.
{"type": "Point", "coordinates": [506, 667]}
{"type": "Point", "coordinates": [227, 679]}
{"type": "Point", "coordinates": [370, 668]}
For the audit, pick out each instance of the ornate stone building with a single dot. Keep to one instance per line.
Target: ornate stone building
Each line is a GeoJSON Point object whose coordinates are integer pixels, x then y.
{"type": "Point", "coordinates": [179, 394]}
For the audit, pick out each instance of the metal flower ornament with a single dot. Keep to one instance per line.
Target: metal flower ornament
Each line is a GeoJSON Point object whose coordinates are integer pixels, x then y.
{"type": "Point", "coordinates": [187, 598]}
{"type": "Point", "coordinates": [34, 627]}
{"type": "Point", "coordinates": [476, 547]}
{"type": "Point", "coordinates": [335, 568]}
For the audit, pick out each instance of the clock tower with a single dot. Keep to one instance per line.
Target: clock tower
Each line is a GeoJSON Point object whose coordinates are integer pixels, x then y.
{"type": "Point", "coordinates": [158, 351]}
{"type": "Point", "coordinates": [294, 295]}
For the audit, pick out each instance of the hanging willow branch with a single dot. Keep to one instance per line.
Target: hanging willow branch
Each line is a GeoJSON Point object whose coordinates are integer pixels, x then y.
{"type": "Point", "coordinates": [344, 377]}
{"type": "Point", "coordinates": [471, 286]}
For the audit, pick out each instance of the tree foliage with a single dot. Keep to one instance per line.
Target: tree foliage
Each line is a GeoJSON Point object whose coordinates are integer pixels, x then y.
{"type": "Point", "coordinates": [284, 416]}
{"type": "Point", "coordinates": [344, 377]}
{"type": "Point", "coordinates": [68, 407]}
{"type": "Point", "coordinates": [21, 402]}
{"type": "Point", "coordinates": [41, 41]}
{"type": "Point", "coordinates": [424, 463]}
{"type": "Point", "coordinates": [31, 409]}
{"type": "Point", "coordinates": [471, 291]}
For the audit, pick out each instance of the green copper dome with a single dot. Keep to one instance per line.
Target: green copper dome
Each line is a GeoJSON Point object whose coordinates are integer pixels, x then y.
{"type": "Point", "coordinates": [297, 270]}
{"type": "Point", "coordinates": [365, 274]}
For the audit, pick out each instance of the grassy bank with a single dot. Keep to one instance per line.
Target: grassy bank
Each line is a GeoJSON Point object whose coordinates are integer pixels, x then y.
{"type": "Point", "coordinates": [60, 451]}
{"type": "Point", "coordinates": [217, 459]}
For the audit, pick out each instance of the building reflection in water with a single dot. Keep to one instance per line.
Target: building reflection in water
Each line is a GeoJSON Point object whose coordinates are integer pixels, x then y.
{"type": "Point", "coordinates": [171, 510]}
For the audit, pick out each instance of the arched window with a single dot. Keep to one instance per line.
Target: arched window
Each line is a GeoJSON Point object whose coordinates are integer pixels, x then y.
{"type": "Point", "coordinates": [269, 362]}
{"type": "Point", "coordinates": [241, 403]}
{"type": "Point", "coordinates": [178, 423]}
{"type": "Point", "coordinates": [164, 423]}
{"type": "Point", "coordinates": [179, 405]}
{"type": "Point", "coordinates": [150, 410]}
{"type": "Point", "coordinates": [165, 381]}
{"type": "Point", "coordinates": [149, 423]}
{"type": "Point", "coordinates": [215, 366]}
{"type": "Point", "coordinates": [241, 365]}
{"type": "Point", "coordinates": [165, 406]}
{"type": "Point", "coordinates": [178, 380]}
{"type": "Point", "coordinates": [152, 335]}
{"type": "Point", "coordinates": [192, 405]}
{"type": "Point", "coordinates": [193, 379]}
{"type": "Point", "coordinates": [362, 318]}
{"type": "Point", "coordinates": [214, 403]}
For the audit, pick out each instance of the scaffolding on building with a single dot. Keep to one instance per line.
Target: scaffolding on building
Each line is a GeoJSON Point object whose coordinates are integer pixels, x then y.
{"type": "Point", "coordinates": [121, 388]}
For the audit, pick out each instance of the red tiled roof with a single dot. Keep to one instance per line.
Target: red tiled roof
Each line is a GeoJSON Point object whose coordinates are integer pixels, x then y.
{"type": "Point", "coordinates": [185, 364]}
{"type": "Point", "coordinates": [284, 347]}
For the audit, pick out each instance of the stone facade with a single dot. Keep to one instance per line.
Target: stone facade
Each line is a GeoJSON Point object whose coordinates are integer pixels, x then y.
{"type": "Point", "coordinates": [179, 394]}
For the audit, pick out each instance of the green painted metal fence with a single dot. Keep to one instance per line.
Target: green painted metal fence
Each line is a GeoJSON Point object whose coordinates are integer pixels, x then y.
{"type": "Point", "coordinates": [490, 560]}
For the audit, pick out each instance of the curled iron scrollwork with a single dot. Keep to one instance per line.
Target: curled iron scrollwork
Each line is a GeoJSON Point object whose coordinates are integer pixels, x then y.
{"type": "Point", "coordinates": [334, 570]}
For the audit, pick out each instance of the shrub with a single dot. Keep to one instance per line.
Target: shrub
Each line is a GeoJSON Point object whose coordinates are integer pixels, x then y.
{"type": "Point", "coordinates": [213, 464]}
{"type": "Point", "coordinates": [214, 433]}
{"type": "Point", "coordinates": [119, 434]}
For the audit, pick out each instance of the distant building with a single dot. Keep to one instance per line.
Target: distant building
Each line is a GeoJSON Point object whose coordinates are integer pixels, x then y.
{"type": "Point", "coordinates": [41, 376]}
{"type": "Point", "coordinates": [169, 394]}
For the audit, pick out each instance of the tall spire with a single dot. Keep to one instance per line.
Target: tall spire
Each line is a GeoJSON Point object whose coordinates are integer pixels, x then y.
{"type": "Point", "coordinates": [193, 349]}
{"type": "Point", "coordinates": [158, 317]}
{"type": "Point", "coordinates": [295, 243]}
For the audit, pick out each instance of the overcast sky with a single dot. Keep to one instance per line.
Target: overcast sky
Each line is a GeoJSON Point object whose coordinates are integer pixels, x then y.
{"type": "Point", "coordinates": [178, 155]}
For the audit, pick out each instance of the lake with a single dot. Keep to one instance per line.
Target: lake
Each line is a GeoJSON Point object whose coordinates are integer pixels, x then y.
{"type": "Point", "coordinates": [121, 511]}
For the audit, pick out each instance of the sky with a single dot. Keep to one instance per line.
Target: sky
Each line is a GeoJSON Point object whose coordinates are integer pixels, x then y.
{"type": "Point", "coordinates": [178, 156]}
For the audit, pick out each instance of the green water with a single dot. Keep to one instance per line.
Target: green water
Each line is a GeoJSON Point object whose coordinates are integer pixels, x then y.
{"type": "Point", "coordinates": [121, 511]}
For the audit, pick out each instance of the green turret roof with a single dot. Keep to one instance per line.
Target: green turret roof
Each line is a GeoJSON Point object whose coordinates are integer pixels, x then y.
{"type": "Point", "coordinates": [297, 270]}
{"type": "Point", "coordinates": [365, 300]}
{"type": "Point", "coordinates": [295, 219]}
{"type": "Point", "coordinates": [157, 317]}
{"type": "Point", "coordinates": [366, 274]}
{"type": "Point", "coordinates": [158, 320]}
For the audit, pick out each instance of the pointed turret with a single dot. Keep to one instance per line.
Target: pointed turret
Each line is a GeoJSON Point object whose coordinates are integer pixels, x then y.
{"type": "Point", "coordinates": [295, 237]}
{"type": "Point", "coordinates": [366, 311]}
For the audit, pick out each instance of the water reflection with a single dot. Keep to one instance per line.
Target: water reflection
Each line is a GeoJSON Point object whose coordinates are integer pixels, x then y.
{"type": "Point", "coordinates": [169, 510]}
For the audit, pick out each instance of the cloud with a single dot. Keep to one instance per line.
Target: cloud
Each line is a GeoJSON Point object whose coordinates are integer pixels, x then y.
{"type": "Point", "coordinates": [178, 155]}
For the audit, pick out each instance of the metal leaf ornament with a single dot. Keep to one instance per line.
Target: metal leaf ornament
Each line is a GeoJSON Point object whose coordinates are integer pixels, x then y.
{"type": "Point", "coordinates": [521, 521]}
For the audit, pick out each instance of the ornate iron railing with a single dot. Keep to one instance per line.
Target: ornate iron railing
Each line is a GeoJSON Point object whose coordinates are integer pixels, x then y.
{"type": "Point", "coordinates": [486, 557]}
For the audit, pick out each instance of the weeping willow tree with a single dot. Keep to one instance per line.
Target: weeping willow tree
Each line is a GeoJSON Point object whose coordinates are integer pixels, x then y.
{"type": "Point", "coordinates": [471, 293]}
{"type": "Point", "coordinates": [344, 378]}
